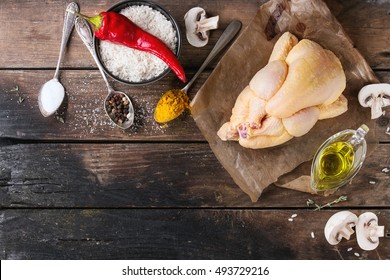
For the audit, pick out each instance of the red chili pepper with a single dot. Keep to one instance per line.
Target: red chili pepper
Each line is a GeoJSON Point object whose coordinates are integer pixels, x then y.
{"type": "Point", "coordinates": [119, 29]}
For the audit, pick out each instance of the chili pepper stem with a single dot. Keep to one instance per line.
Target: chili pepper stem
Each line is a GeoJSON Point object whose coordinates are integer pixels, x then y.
{"type": "Point", "coordinates": [96, 20]}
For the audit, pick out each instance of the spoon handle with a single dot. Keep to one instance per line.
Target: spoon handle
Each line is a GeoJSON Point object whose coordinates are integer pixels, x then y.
{"type": "Point", "coordinates": [229, 33]}
{"type": "Point", "coordinates": [85, 33]}
{"type": "Point", "coordinates": [67, 29]}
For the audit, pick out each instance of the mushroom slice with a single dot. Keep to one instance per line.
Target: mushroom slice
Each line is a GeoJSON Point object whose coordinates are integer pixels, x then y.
{"type": "Point", "coordinates": [375, 96]}
{"type": "Point", "coordinates": [198, 26]}
{"type": "Point", "coordinates": [340, 225]}
{"type": "Point", "coordinates": [368, 231]}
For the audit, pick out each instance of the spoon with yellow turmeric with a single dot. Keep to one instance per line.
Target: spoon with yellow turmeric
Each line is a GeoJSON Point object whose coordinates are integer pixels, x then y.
{"type": "Point", "coordinates": [173, 103]}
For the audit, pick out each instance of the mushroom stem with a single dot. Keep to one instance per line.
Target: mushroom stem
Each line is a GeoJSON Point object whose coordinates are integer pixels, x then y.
{"type": "Point", "coordinates": [347, 231]}
{"type": "Point", "coordinates": [207, 24]}
{"type": "Point", "coordinates": [375, 231]}
{"type": "Point", "coordinates": [376, 107]}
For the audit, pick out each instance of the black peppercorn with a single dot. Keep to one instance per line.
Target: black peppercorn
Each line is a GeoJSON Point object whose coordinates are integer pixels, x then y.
{"type": "Point", "coordinates": [118, 108]}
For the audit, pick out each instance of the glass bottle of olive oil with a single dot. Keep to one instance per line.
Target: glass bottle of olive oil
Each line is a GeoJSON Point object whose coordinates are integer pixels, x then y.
{"type": "Point", "coordinates": [338, 159]}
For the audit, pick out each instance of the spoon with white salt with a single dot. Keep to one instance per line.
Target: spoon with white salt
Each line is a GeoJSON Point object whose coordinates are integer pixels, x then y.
{"type": "Point", "coordinates": [52, 92]}
{"type": "Point", "coordinates": [116, 101]}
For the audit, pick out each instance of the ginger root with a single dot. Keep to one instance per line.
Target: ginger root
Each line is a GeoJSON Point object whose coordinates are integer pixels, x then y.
{"type": "Point", "coordinates": [301, 84]}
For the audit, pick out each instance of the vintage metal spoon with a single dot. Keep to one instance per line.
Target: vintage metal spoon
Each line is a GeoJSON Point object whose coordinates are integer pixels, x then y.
{"type": "Point", "coordinates": [52, 93]}
{"type": "Point", "coordinates": [229, 33]}
{"type": "Point", "coordinates": [85, 32]}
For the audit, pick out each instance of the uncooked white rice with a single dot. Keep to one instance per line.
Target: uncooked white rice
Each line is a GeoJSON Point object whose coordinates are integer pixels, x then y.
{"type": "Point", "coordinates": [133, 65]}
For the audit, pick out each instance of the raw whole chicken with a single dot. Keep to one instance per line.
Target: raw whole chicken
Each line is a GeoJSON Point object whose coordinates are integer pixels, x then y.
{"type": "Point", "coordinates": [301, 84]}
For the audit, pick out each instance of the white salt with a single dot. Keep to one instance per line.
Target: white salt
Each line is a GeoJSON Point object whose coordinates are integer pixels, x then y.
{"type": "Point", "coordinates": [51, 96]}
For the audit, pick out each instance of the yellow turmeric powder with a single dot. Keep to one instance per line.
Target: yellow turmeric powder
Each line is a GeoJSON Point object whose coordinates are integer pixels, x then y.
{"type": "Point", "coordinates": [171, 105]}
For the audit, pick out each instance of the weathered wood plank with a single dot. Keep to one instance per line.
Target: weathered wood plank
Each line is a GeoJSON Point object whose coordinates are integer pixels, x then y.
{"type": "Point", "coordinates": [84, 115]}
{"type": "Point", "coordinates": [154, 175]}
{"type": "Point", "coordinates": [177, 234]}
{"type": "Point", "coordinates": [37, 177]}
{"type": "Point", "coordinates": [366, 23]}
{"type": "Point", "coordinates": [83, 110]}
{"type": "Point", "coordinates": [37, 34]}
{"type": "Point", "coordinates": [27, 30]}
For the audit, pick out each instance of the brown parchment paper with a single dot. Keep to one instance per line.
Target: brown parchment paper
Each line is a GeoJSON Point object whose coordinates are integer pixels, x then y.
{"type": "Point", "coordinates": [254, 170]}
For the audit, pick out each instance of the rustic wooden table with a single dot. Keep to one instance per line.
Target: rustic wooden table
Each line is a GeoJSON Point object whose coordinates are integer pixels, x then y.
{"type": "Point", "coordinates": [74, 187]}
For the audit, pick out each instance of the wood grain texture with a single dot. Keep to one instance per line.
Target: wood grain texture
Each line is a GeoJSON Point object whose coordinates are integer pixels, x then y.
{"type": "Point", "coordinates": [37, 34]}
{"type": "Point", "coordinates": [84, 189]}
{"type": "Point", "coordinates": [31, 38]}
{"type": "Point", "coordinates": [365, 23]}
{"type": "Point", "coordinates": [83, 111]}
{"type": "Point", "coordinates": [154, 175]}
{"type": "Point", "coordinates": [22, 47]}
{"type": "Point", "coordinates": [176, 234]}
{"type": "Point", "coordinates": [84, 114]}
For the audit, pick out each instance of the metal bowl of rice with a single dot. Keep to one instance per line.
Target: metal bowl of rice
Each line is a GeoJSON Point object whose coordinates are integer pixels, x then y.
{"type": "Point", "coordinates": [136, 67]}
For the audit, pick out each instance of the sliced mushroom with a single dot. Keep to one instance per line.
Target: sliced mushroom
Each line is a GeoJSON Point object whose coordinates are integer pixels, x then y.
{"type": "Point", "coordinates": [375, 96]}
{"type": "Point", "coordinates": [368, 231]}
{"type": "Point", "coordinates": [340, 225]}
{"type": "Point", "coordinates": [198, 26]}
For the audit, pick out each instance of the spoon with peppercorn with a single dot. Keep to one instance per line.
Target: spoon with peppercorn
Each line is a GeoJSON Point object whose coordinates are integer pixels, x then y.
{"type": "Point", "coordinates": [117, 104]}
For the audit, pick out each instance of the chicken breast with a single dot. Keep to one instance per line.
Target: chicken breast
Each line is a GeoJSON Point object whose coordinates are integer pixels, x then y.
{"type": "Point", "coordinates": [315, 77]}
{"type": "Point", "coordinates": [301, 84]}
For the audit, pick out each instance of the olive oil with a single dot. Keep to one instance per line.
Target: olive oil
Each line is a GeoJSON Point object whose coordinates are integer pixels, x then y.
{"type": "Point", "coordinates": [335, 162]}
{"type": "Point", "coordinates": [338, 159]}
